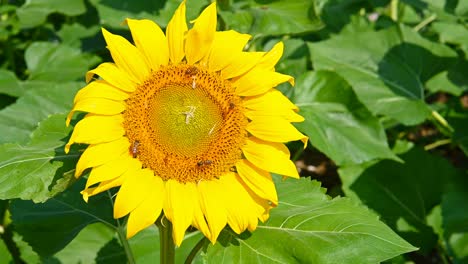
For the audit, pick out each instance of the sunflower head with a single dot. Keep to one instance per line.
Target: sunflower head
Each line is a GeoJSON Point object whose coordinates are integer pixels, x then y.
{"type": "Point", "coordinates": [187, 124]}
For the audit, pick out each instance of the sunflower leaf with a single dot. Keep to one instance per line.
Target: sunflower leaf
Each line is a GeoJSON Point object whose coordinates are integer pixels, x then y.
{"type": "Point", "coordinates": [39, 169]}
{"type": "Point", "coordinates": [333, 114]}
{"type": "Point", "coordinates": [309, 227]}
{"type": "Point", "coordinates": [50, 226]}
{"type": "Point", "coordinates": [57, 62]}
{"type": "Point", "coordinates": [39, 100]}
{"type": "Point", "coordinates": [388, 75]}
{"type": "Point", "coordinates": [34, 13]}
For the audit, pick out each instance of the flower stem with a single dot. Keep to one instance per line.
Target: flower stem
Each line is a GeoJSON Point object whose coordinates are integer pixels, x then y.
{"type": "Point", "coordinates": [195, 250]}
{"type": "Point", "coordinates": [166, 246]}
{"type": "Point", "coordinates": [126, 246]}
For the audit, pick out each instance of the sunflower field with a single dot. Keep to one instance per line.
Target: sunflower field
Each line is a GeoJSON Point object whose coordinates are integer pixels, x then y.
{"type": "Point", "coordinates": [236, 131]}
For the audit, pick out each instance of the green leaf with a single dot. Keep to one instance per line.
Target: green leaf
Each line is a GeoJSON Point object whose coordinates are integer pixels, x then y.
{"type": "Point", "coordinates": [35, 12]}
{"type": "Point", "coordinates": [309, 227]}
{"type": "Point", "coordinates": [275, 17]}
{"type": "Point", "coordinates": [452, 33]}
{"type": "Point", "coordinates": [9, 84]}
{"type": "Point", "coordinates": [5, 256]}
{"type": "Point", "coordinates": [72, 34]}
{"type": "Point", "coordinates": [39, 169]}
{"type": "Point", "coordinates": [48, 61]}
{"type": "Point", "coordinates": [388, 75]}
{"type": "Point", "coordinates": [404, 193]}
{"type": "Point", "coordinates": [145, 245]}
{"type": "Point", "coordinates": [113, 13]}
{"type": "Point", "coordinates": [337, 124]}
{"type": "Point", "coordinates": [40, 100]}
{"type": "Point", "coordinates": [111, 253]}
{"type": "Point", "coordinates": [459, 247]}
{"type": "Point", "coordinates": [88, 243]}
{"type": "Point", "coordinates": [50, 226]}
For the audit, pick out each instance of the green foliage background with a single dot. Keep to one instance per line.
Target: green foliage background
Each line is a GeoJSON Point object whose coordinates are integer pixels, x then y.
{"type": "Point", "coordinates": [382, 85]}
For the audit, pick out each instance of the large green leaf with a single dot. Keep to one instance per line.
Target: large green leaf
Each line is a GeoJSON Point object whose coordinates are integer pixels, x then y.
{"type": "Point", "coordinates": [337, 124]}
{"type": "Point", "coordinates": [39, 169]}
{"type": "Point", "coordinates": [35, 12]}
{"type": "Point", "coordinates": [404, 193]}
{"type": "Point", "coordinates": [9, 84]}
{"type": "Point", "coordinates": [113, 12]}
{"type": "Point", "coordinates": [309, 227]}
{"type": "Point", "coordinates": [88, 242]}
{"type": "Point", "coordinates": [387, 69]}
{"type": "Point", "coordinates": [48, 61]}
{"type": "Point", "coordinates": [273, 17]}
{"type": "Point", "coordinates": [50, 226]}
{"type": "Point", "coordinates": [40, 100]}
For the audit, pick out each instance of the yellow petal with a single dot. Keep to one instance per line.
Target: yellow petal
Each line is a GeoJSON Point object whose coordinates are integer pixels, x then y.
{"type": "Point", "coordinates": [134, 190]}
{"type": "Point", "coordinates": [100, 106]}
{"type": "Point", "coordinates": [103, 186]}
{"type": "Point", "coordinates": [94, 129]}
{"type": "Point", "coordinates": [276, 129]}
{"type": "Point", "coordinates": [212, 202]}
{"type": "Point", "coordinates": [149, 210]}
{"type": "Point", "coordinates": [113, 75]}
{"type": "Point", "coordinates": [175, 33]}
{"type": "Point", "coordinates": [243, 63]}
{"type": "Point", "coordinates": [200, 37]}
{"type": "Point", "coordinates": [270, 100]}
{"type": "Point", "coordinates": [199, 220]}
{"type": "Point", "coordinates": [288, 114]}
{"type": "Point", "coordinates": [269, 156]}
{"type": "Point", "coordinates": [126, 56]}
{"type": "Point", "coordinates": [112, 169]}
{"type": "Point", "coordinates": [99, 154]}
{"type": "Point", "coordinates": [272, 57]}
{"type": "Point", "coordinates": [241, 210]}
{"type": "Point", "coordinates": [151, 41]}
{"type": "Point", "coordinates": [258, 81]}
{"type": "Point", "coordinates": [227, 45]}
{"type": "Point", "coordinates": [101, 89]}
{"type": "Point", "coordinates": [178, 207]}
{"type": "Point", "coordinates": [258, 180]}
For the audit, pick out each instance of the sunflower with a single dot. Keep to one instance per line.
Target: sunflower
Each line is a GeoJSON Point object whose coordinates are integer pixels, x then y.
{"type": "Point", "coordinates": [188, 125]}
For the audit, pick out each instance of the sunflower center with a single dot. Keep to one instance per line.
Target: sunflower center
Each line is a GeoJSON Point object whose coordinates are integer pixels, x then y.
{"type": "Point", "coordinates": [185, 123]}
{"type": "Point", "coordinates": [185, 119]}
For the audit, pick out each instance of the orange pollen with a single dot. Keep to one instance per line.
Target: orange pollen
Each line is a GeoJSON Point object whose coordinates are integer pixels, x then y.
{"type": "Point", "coordinates": [186, 124]}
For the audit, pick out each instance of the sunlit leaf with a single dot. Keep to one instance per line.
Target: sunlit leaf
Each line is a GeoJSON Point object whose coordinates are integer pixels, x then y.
{"type": "Point", "coordinates": [337, 124]}
{"type": "Point", "coordinates": [39, 169]}
{"type": "Point", "coordinates": [48, 61]}
{"type": "Point", "coordinates": [40, 100]}
{"type": "Point", "coordinates": [315, 229]}
{"type": "Point", "coordinates": [387, 69]}
{"type": "Point", "coordinates": [274, 17]}
{"type": "Point", "coordinates": [9, 84]}
{"type": "Point", "coordinates": [35, 12]}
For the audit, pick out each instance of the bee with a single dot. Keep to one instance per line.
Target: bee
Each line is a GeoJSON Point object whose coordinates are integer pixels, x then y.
{"type": "Point", "coordinates": [204, 162]}
{"type": "Point", "coordinates": [192, 72]}
{"type": "Point", "coordinates": [134, 148]}
{"type": "Point", "coordinates": [231, 105]}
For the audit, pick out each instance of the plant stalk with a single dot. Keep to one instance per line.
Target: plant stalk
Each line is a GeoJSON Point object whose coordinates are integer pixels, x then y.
{"type": "Point", "coordinates": [124, 242]}
{"type": "Point", "coordinates": [167, 249]}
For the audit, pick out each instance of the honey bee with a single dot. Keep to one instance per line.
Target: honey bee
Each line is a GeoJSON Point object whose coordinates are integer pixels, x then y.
{"type": "Point", "coordinates": [134, 148]}
{"type": "Point", "coordinates": [231, 105]}
{"type": "Point", "coordinates": [191, 71]}
{"type": "Point", "coordinates": [204, 162]}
